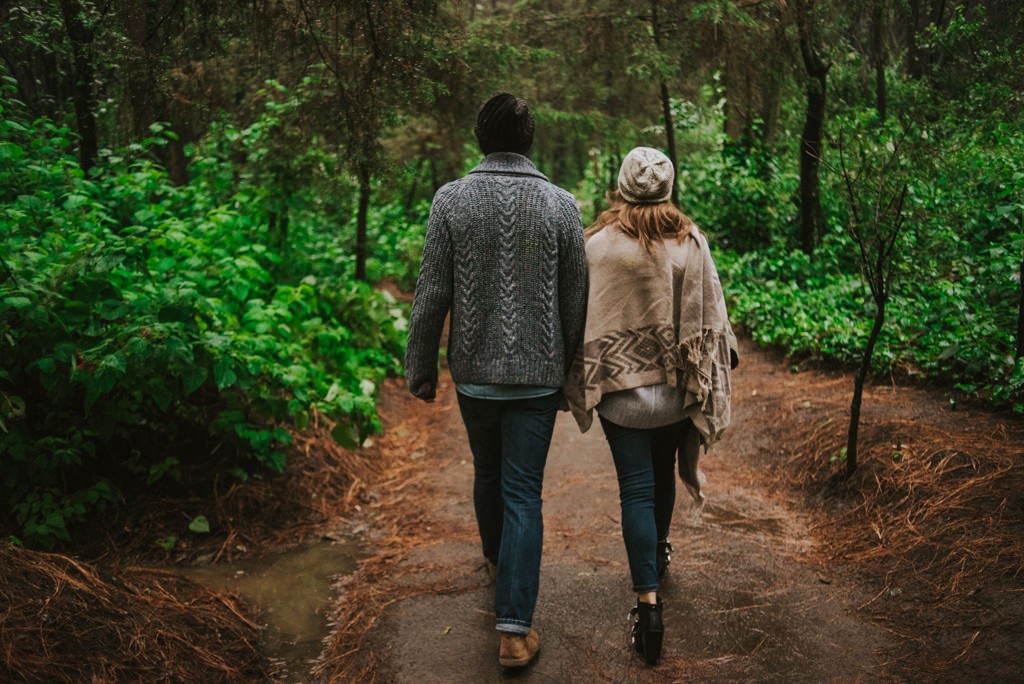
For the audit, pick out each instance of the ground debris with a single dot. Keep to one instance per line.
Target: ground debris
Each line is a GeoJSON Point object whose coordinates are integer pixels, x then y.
{"type": "Point", "coordinates": [933, 518]}
{"type": "Point", "coordinates": [64, 620]}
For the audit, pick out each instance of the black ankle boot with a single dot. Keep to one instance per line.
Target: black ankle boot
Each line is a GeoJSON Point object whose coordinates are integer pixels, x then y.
{"type": "Point", "coordinates": [663, 557]}
{"type": "Point", "coordinates": [648, 630]}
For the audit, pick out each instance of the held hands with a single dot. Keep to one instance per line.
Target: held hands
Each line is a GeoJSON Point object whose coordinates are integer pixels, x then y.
{"type": "Point", "coordinates": [427, 391]}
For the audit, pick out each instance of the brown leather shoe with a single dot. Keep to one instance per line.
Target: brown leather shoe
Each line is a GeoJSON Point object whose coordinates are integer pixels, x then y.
{"type": "Point", "coordinates": [517, 650]}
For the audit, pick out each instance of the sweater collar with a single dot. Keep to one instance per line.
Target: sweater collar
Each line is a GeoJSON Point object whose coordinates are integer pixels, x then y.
{"type": "Point", "coordinates": [509, 164]}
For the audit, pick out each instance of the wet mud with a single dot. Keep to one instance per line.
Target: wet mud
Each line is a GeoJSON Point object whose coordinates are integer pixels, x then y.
{"type": "Point", "coordinates": [289, 592]}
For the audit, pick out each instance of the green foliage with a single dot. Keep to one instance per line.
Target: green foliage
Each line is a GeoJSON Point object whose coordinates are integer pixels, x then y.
{"type": "Point", "coordinates": [396, 238]}
{"type": "Point", "coordinates": [953, 310]}
{"type": "Point", "coordinates": [745, 198]}
{"type": "Point", "coordinates": [144, 326]}
{"type": "Point", "coordinates": [977, 61]}
{"type": "Point", "coordinates": [807, 307]}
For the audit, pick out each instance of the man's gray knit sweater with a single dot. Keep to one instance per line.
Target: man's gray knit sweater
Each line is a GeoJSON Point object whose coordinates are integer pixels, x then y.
{"type": "Point", "coordinates": [504, 254]}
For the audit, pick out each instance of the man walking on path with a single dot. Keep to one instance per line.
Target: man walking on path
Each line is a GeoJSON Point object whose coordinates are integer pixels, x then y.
{"type": "Point", "coordinates": [504, 255]}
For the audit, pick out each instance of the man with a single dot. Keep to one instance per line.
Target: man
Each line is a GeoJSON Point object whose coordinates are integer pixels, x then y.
{"type": "Point", "coordinates": [504, 254]}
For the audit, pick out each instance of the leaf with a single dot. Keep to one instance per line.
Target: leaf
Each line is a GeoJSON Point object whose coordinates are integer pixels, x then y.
{"type": "Point", "coordinates": [18, 303]}
{"type": "Point", "coordinates": [166, 543]}
{"type": "Point", "coordinates": [10, 152]}
{"type": "Point", "coordinates": [276, 461]}
{"type": "Point", "coordinates": [199, 525]}
{"type": "Point", "coordinates": [161, 394]}
{"type": "Point", "coordinates": [193, 377]}
{"type": "Point", "coordinates": [115, 363]}
{"type": "Point", "coordinates": [223, 374]}
{"type": "Point", "coordinates": [346, 435]}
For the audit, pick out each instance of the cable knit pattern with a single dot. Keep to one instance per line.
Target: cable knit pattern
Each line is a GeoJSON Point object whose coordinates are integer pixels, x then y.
{"type": "Point", "coordinates": [507, 208]}
{"type": "Point", "coordinates": [466, 282]}
{"type": "Point", "coordinates": [504, 255]}
{"type": "Point", "coordinates": [550, 276]}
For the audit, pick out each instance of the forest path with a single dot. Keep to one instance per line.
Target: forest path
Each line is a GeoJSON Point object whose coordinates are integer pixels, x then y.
{"type": "Point", "coordinates": [744, 599]}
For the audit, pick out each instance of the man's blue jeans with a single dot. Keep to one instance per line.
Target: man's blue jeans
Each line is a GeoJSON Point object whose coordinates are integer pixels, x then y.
{"type": "Point", "coordinates": [509, 440]}
{"type": "Point", "coordinates": [645, 465]}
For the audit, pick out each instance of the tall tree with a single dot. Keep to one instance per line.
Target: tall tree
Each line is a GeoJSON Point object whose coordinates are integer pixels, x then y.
{"type": "Point", "coordinates": [817, 68]}
{"type": "Point", "coordinates": [374, 54]}
{"type": "Point", "coordinates": [80, 32]}
{"type": "Point", "coordinates": [918, 16]}
{"type": "Point", "coordinates": [750, 45]}
{"type": "Point", "coordinates": [1019, 351]}
{"type": "Point", "coordinates": [666, 101]}
{"type": "Point", "coordinates": [587, 70]}
{"type": "Point", "coordinates": [146, 27]}
{"type": "Point", "coordinates": [878, 12]}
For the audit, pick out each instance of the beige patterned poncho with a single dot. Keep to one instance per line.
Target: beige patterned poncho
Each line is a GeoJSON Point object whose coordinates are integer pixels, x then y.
{"type": "Point", "coordinates": [654, 318]}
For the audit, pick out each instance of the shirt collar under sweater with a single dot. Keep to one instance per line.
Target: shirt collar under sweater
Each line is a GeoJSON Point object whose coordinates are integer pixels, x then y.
{"type": "Point", "coordinates": [509, 164]}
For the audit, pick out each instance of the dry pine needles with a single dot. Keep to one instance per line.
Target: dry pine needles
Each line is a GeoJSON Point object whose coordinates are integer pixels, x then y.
{"type": "Point", "coordinates": [62, 620]}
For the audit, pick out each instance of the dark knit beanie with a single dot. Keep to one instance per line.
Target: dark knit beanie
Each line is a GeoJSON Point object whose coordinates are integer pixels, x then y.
{"type": "Point", "coordinates": [504, 124]}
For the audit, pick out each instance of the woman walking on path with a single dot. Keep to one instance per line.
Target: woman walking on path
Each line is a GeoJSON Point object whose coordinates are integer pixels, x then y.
{"type": "Point", "coordinates": [504, 255]}
{"type": "Point", "coordinates": [654, 363]}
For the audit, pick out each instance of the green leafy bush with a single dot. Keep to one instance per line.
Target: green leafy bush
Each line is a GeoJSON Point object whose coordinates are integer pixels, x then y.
{"type": "Point", "coordinates": [145, 326]}
{"type": "Point", "coordinates": [953, 311]}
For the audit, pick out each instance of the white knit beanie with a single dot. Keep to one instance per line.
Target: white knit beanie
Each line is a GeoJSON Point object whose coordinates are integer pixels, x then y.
{"type": "Point", "coordinates": [646, 176]}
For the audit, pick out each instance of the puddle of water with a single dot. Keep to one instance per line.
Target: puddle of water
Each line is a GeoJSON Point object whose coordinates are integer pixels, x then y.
{"type": "Point", "coordinates": [291, 592]}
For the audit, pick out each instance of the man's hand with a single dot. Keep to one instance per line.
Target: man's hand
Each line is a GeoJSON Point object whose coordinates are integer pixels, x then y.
{"type": "Point", "coordinates": [427, 391]}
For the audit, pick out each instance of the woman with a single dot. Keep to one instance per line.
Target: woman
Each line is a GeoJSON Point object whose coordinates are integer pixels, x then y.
{"type": "Point", "coordinates": [654, 363]}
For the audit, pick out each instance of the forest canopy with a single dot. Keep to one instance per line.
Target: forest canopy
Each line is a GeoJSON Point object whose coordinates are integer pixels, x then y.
{"type": "Point", "coordinates": [209, 211]}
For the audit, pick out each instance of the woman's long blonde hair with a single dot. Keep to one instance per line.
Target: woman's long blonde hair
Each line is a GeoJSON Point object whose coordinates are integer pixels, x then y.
{"type": "Point", "coordinates": [645, 223]}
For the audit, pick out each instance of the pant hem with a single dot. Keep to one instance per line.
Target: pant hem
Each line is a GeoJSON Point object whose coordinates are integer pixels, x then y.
{"type": "Point", "coordinates": [513, 628]}
{"type": "Point", "coordinates": [646, 588]}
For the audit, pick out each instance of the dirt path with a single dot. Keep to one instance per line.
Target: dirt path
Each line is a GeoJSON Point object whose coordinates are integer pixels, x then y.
{"type": "Point", "coordinates": [743, 600]}
{"type": "Point", "coordinates": [760, 588]}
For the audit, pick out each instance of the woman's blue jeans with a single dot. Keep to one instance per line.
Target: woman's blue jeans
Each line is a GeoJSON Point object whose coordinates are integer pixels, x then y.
{"type": "Point", "coordinates": [645, 464]}
{"type": "Point", "coordinates": [509, 440]}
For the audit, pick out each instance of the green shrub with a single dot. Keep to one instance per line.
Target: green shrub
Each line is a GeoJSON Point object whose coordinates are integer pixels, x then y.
{"type": "Point", "coordinates": [144, 326]}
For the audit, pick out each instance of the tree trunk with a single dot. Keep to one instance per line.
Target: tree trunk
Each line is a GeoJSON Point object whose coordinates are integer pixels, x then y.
{"type": "Point", "coordinates": [915, 65]}
{"type": "Point", "coordinates": [414, 185]}
{"type": "Point", "coordinates": [813, 132]}
{"type": "Point", "coordinates": [277, 224]}
{"type": "Point", "coordinates": [670, 139]}
{"type": "Point", "coordinates": [774, 78]}
{"type": "Point", "coordinates": [175, 158]}
{"type": "Point", "coordinates": [878, 56]}
{"type": "Point", "coordinates": [361, 218]}
{"type": "Point", "coordinates": [666, 105]}
{"type": "Point", "coordinates": [734, 100]}
{"type": "Point", "coordinates": [1020, 315]}
{"type": "Point", "coordinates": [140, 80]}
{"type": "Point", "coordinates": [81, 36]}
{"type": "Point", "coordinates": [810, 162]}
{"type": "Point", "coordinates": [614, 162]}
{"type": "Point", "coordinates": [858, 390]}
{"type": "Point", "coordinates": [770, 110]}
{"type": "Point", "coordinates": [148, 103]}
